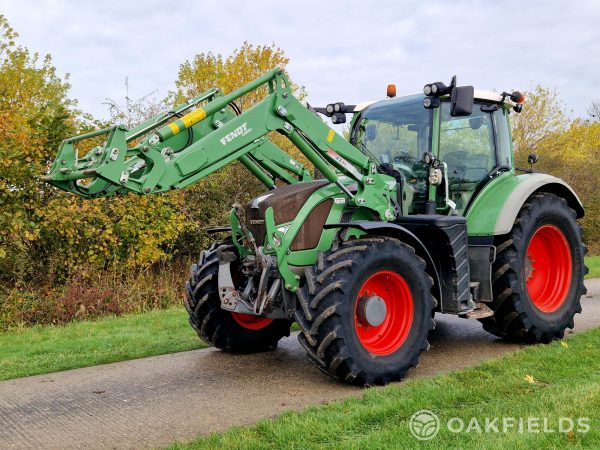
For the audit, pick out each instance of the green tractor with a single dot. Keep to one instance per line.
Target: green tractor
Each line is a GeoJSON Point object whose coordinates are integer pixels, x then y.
{"type": "Point", "coordinates": [420, 211]}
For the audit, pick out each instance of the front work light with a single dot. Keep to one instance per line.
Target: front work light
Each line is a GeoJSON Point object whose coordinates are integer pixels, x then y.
{"type": "Point", "coordinates": [431, 102]}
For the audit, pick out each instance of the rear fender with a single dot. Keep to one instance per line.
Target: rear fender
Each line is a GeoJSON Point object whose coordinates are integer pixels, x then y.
{"type": "Point", "coordinates": [496, 207]}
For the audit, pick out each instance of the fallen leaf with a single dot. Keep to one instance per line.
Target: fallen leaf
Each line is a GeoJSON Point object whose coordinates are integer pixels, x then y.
{"type": "Point", "coordinates": [564, 344]}
{"type": "Point", "coordinates": [529, 379]}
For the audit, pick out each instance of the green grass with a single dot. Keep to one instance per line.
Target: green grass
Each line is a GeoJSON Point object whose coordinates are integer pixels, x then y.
{"type": "Point", "coordinates": [566, 383]}
{"type": "Point", "coordinates": [44, 349]}
{"type": "Point", "coordinates": [593, 263]}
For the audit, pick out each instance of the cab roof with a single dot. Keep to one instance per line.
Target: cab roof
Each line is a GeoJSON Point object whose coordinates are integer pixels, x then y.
{"type": "Point", "coordinates": [479, 94]}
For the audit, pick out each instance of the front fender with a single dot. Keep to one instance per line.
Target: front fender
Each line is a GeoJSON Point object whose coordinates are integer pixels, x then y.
{"type": "Point", "coordinates": [494, 210]}
{"type": "Point", "coordinates": [399, 232]}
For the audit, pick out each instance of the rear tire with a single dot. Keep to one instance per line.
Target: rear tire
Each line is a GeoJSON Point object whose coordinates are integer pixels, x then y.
{"type": "Point", "coordinates": [538, 273]}
{"type": "Point", "coordinates": [231, 332]}
{"type": "Point", "coordinates": [338, 338]}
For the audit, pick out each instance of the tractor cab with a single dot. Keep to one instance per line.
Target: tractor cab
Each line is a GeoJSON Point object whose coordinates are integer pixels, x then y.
{"type": "Point", "coordinates": [469, 148]}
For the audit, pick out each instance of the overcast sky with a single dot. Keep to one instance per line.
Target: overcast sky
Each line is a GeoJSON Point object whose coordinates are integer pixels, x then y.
{"type": "Point", "coordinates": [339, 50]}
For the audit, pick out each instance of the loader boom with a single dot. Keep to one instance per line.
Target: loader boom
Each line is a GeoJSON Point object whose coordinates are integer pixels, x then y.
{"type": "Point", "coordinates": [216, 137]}
{"type": "Point", "coordinates": [93, 175]}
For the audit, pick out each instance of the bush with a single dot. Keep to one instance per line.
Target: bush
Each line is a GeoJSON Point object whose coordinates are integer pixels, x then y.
{"type": "Point", "coordinates": [109, 292]}
{"type": "Point", "coordinates": [574, 156]}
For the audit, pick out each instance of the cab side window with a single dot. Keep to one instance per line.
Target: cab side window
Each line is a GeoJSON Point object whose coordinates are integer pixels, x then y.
{"type": "Point", "coordinates": [503, 137]}
{"type": "Point", "coordinates": [467, 147]}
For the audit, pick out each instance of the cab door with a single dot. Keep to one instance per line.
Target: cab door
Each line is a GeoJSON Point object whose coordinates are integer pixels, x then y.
{"type": "Point", "coordinates": [467, 145]}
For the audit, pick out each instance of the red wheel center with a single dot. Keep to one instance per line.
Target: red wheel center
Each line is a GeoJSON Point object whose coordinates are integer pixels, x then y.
{"type": "Point", "coordinates": [393, 329]}
{"type": "Point", "coordinates": [548, 268]}
{"type": "Point", "coordinates": [251, 322]}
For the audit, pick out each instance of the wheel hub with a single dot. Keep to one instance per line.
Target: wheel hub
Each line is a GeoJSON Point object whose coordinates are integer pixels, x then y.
{"type": "Point", "coordinates": [529, 267]}
{"type": "Point", "coordinates": [371, 310]}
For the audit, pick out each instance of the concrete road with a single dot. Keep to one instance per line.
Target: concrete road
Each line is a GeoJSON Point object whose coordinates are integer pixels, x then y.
{"type": "Point", "coordinates": [155, 401]}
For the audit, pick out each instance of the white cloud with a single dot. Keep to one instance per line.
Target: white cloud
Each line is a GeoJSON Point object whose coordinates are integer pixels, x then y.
{"type": "Point", "coordinates": [346, 51]}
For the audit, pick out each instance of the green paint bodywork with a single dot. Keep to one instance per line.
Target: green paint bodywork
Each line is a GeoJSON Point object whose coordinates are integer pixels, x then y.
{"type": "Point", "coordinates": [152, 165]}
{"type": "Point", "coordinates": [435, 147]}
{"type": "Point", "coordinates": [482, 214]}
{"type": "Point", "coordinates": [172, 150]}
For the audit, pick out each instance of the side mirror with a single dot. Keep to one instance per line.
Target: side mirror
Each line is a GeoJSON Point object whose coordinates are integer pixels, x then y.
{"type": "Point", "coordinates": [462, 99]}
{"type": "Point", "coordinates": [532, 158]}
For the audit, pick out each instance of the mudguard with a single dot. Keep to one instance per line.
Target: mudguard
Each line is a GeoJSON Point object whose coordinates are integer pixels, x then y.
{"type": "Point", "coordinates": [496, 207]}
{"type": "Point", "coordinates": [442, 242]}
{"type": "Point", "coordinates": [394, 230]}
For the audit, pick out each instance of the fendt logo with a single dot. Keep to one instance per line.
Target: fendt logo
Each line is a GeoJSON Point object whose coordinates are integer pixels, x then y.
{"type": "Point", "coordinates": [239, 131]}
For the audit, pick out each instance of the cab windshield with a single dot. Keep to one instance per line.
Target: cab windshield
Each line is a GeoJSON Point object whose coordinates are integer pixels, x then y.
{"type": "Point", "coordinates": [395, 132]}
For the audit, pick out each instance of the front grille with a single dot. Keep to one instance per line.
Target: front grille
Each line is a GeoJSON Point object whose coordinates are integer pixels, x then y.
{"type": "Point", "coordinates": [255, 221]}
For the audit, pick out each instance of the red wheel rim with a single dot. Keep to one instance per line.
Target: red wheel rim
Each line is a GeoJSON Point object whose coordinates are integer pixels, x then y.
{"type": "Point", "coordinates": [251, 322]}
{"type": "Point", "coordinates": [387, 337]}
{"type": "Point", "coordinates": [548, 268]}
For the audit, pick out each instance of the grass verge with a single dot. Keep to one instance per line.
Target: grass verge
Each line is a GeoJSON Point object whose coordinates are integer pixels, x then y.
{"type": "Point", "coordinates": [43, 349]}
{"type": "Point", "coordinates": [551, 381]}
{"type": "Point", "coordinates": [593, 263]}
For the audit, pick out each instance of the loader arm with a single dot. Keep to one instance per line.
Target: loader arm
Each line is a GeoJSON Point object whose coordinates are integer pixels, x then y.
{"type": "Point", "coordinates": [90, 175]}
{"type": "Point", "coordinates": [159, 162]}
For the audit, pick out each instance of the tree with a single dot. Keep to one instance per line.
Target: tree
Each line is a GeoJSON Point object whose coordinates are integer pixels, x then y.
{"type": "Point", "coordinates": [134, 111]}
{"type": "Point", "coordinates": [594, 111]}
{"type": "Point", "coordinates": [543, 115]}
{"type": "Point", "coordinates": [245, 64]}
{"type": "Point", "coordinates": [46, 234]}
{"type": "Point", "coordinates": [35, 115]}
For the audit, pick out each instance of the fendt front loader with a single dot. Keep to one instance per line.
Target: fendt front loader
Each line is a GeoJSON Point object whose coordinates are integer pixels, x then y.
{"type": "Point", "coordinates": [421, 211]}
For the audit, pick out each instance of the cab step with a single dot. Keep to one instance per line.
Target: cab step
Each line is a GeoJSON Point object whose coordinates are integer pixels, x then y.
{"type": "Point", "coordinates": [480, 311]}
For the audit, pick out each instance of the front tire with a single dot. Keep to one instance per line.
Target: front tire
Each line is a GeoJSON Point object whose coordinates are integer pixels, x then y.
{"type": "Point", "coordinates": [228, 331]}
{"type": "Point", "coordinates": [538, 273]}
{"type": "Point", "coordinates": [352, 341]}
